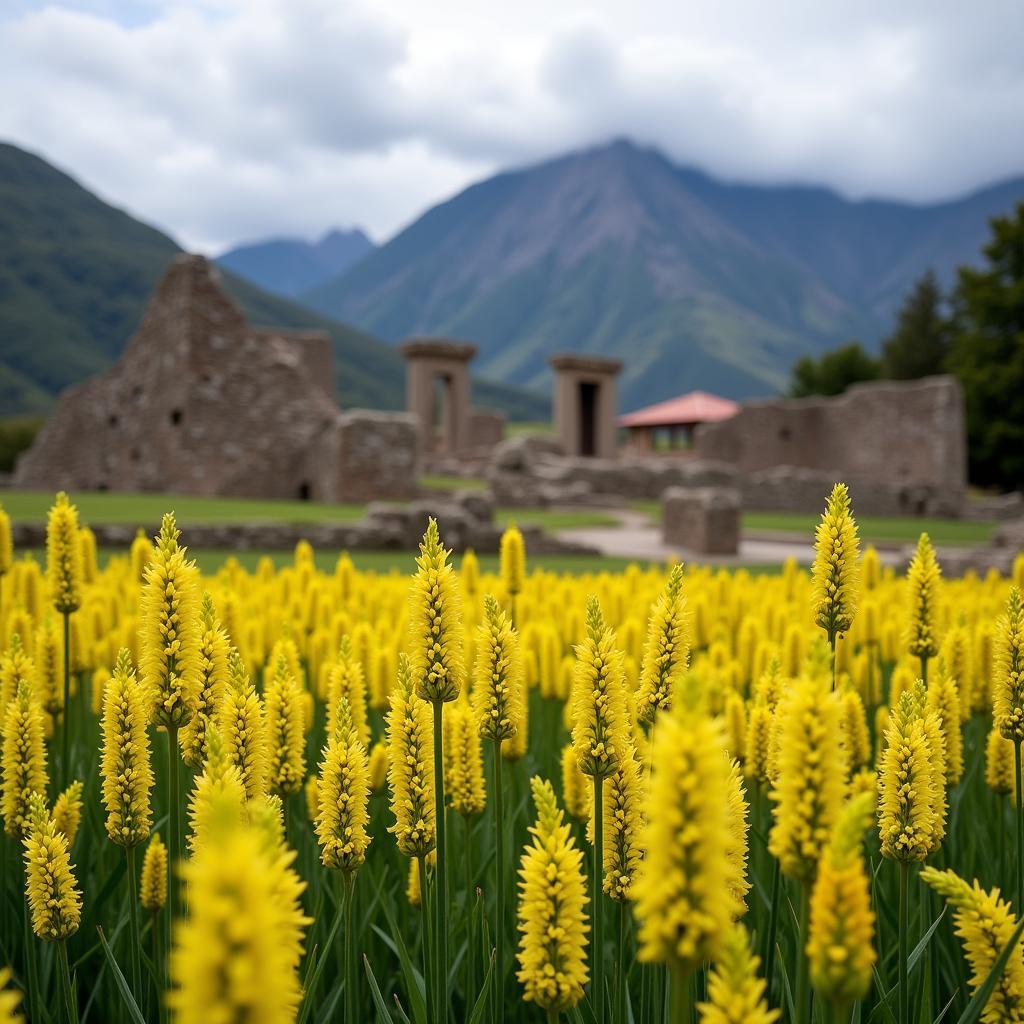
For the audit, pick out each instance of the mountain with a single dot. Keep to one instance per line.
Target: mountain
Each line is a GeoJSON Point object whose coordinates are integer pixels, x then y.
{"type": "Point", "coordinates": [75, 276]}
{"type": "Point", "coordinates": [696, 283]}
{"type": "Point", "coordinates": [288, 266]}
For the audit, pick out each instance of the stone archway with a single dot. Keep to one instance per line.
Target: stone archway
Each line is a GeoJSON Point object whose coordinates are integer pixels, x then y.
{"type": "Point", "coordinates": [585, 403]}
{"type": "Point", "coordinates": [437, 392]}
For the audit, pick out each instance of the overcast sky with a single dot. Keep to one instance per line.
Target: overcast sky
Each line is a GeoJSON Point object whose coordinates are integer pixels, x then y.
{"type": "Point", "coordinates": [228, 120]}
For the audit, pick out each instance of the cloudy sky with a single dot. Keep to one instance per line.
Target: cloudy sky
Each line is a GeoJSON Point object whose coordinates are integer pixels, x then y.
{"type": "Point", "coordinates": [228, 120]}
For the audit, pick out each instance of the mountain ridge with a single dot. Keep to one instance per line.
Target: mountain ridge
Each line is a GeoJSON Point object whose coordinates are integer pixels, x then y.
{"type": "Point", "coordinates": [617, 250]}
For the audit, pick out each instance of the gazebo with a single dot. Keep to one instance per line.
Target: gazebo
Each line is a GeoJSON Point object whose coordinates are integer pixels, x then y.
{"type": "Point", "coordinates": [668, 426]}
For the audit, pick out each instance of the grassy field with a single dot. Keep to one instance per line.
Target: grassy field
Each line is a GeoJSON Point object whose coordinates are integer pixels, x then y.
{"type": "Point", "coordinates": [146, 509]}
{"type": "Point", "coordinates": [873, 529]}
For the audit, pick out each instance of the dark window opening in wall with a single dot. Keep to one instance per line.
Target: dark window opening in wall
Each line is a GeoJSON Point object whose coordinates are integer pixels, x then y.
{"type": "Point", "coordinates": [175, 417]}
{"type": "Point", "coordinates": [136, 455]}
{"type": "Point", "coordinates": [305, 491]}
{"type": "Point", "coordinates": [103, 486]}
{"type": "Point", "coordinates": [588, 418]}
{"type": "Point", "coordinates": [784, 434]}
{"type": "Point", "coordinates": [112, 419]}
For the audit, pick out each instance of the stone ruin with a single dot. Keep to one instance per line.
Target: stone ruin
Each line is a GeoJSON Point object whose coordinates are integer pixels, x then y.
{"type": "Point", "coordinates": [453, 436]}
{"type": "Point", "coordinates": [900, 445]}
{"type": "Point", "coordinates": [201, 402]}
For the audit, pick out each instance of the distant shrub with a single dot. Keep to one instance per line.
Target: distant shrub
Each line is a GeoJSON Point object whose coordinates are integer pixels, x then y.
{"type": "Point", "coordinates": [16, 434]}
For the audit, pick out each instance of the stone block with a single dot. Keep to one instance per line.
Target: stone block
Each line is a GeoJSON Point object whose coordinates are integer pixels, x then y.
{"type": "Point", "coordinates": [702, 520]}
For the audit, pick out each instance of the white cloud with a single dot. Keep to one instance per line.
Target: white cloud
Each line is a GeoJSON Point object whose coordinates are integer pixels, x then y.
{"type": "Point", "coordinates": [228, 119]}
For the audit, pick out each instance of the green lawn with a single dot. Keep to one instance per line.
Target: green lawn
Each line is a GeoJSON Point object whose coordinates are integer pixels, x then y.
{"type": "Point", "coordinates": [445, 482]}
{"type": "Point", "coordinates": [874, 529]}
{"type": "Point", "coordinates": [146, 510]}
{"type": "Point", "coordinates": [112, 507]}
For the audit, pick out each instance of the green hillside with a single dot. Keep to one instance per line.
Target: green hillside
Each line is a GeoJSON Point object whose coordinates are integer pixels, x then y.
{"type": "Point", "coordinates": [75, 277]}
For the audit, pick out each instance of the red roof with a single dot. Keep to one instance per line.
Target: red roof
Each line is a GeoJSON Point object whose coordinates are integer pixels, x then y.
{"type": "Point", "coordinates": [694, 407]}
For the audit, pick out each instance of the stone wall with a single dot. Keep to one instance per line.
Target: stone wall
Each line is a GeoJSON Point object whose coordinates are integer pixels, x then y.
{"type": "Point", "coordinates": [906, 439]}
{"type": "Point", "coordinates": [203, 403]}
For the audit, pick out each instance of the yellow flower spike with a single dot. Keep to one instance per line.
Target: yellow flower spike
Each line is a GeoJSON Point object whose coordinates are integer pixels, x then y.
{"type": "Point", "coordinates": [999, 766]}
{"type": "Point", "coordinates": [871, 568]}
{"type": "Point", "coordinates": [346, 679]}
{"type": "Point", "coordinates": [10, 998]}
{"type": "Point", "coordinates": [739, 826]}
{"type": "Point", "coordinates": [923, 579]}
{"type": "Point", "coordinates": [412, 886]}
{"type": "Point", "coordinates": [153, 883]}
{"type": "Point", "coordinates": [126, 769]}
{"type": "Point", "coordinates": [464, 761]}
{"type": "Point", "coordinates": [809, 789]}
{"type": "Point", "coordinates": [623, 826]}
{"type": "Point", "coordinates": [435, 622]}
{"type": "Point", "coordinates": [378, 765]}
{"type": "Point", "coordinates": [49, 663]}
{"type": "Point", "coordinates": [856, 739]}
{"type": "Point", "coordinates": [909, 816]}
{"type": "Point", "coordinates": [760, 727]}
{"type": "Point", "coordinates": [64, 572]}
{"type": "Point", "coordinates": [236, 956]}
{"type": "Point", "coordinates": [736, 726]}
{"type": "Point", "coordinates": [666, 649]}
{"type": "Point", "coordinates": [67, 812]}
{"type": "Point", "coordinates": [140, 554]}
{"type": "Point", "coordinates": [343, 793]}
{"type": "Point", "coordinates": [985, 924]}
{"type": "Point", "coordinates": [836, 571]}
{"type": "Point", "coordinates": [6, 543]}
{"type": "Point", "coordinates": [575, 786]}
{"type": "Point", "coordinates": [53, 898]}
{"type": "Point", "coordinates": [241, 723]}
{"type": "Point", "coordinates": [840, 947]}
{"type": "Point", "coordinates": [213, 678]}
{"type": "Point", "coordinates": [684, 888]}
{"type": "Point", "coordinates": [512, 560]}
{"type": "Point", "coordinates": [598, 698]}
{"type": "Point", "coordinates": [736, 994]}
{"type": "Point", "coordinates": [498, 698]}
{"type": "Point", "coordinates": [169, 630]}
{"type": "Point", "coordinates": [312, 791]}
{"type": "Point", "coordinates": [285, 731]}
{"type": "Point", "coordinates": [411, 767]}
{"type": "Point", "coordinates": [943, 701]}
{"type": "Point", "coordinates": [23, 760]}
{"type": "Point", "coordinates": [16, 667]}
{"type": "Point", "coordinates": [219, 785]}
{"type": "Point", "coordinates": [1008, 682]}
{"type": "Point", "coordinates": [552, 910]}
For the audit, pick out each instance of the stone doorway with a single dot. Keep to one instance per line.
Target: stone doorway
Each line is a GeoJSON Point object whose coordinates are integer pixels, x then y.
{"type": "Point", "coordinates": [437, 392]}
{"type": "Point", "coordinates": [585, 404]}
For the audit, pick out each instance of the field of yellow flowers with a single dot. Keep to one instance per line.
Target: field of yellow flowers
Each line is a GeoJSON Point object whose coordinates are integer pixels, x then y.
{"type": "Point", "coordinates": [661, 795]}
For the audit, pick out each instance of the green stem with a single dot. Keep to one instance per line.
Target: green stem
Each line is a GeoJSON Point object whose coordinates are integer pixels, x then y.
{"type": "Point", "coordinates": [597, 944]}
{"type": "Point", "coordinates": [133, 920]}
{"type": "Point", "coordinates": [441, 906]}
{"type": "Point", "coordinates": [428, 945]}
{"type": "Point", "coordinates": [552, 1016]}
{"type": "Point", "coordinates": [832, 645]}
{"type": "Point", "coordinates": [173, 832]}
{"type": "Point", "coordinates": [681, 1000]}
{"type": "Point", "coordinates": [904, 998]}
{"type": "Point", "coordinates": [467, 861]}
{"type": "Point", "coordinates": [803, 987]}
{"type": "Point", "coordinates": [65, 974]}
{"type": "Point", "coordinates": [350, 950]}
{"type": "Point", "coordinates": [773, 925]}
{"type": "Point", "coordinates": [499, 888]}
{"type": "Point", "coordinates": [1020, 827]}
{"type": "Point", "coordinates": [620, 969]}
{"type": "Point", "coordinates": [35, 1006]}
{"type": "Point", "coordinates": [65, 738]}
{"type": "Point", "coordinates": [924, 669]}
{"type": "Point", "coordinates": [841, 1013]}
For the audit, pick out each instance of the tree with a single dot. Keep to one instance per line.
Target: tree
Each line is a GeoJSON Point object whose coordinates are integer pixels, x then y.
{"type": "Point", "coordinates": [987, 355]}
{"type": "Point", "coordinates": [833, 372]}
{"type": "Point", "coordinates": [919, 345]}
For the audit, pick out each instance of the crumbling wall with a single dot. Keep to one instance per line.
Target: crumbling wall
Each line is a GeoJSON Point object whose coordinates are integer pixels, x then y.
{"type": "Point", "coordinates": [902, 441]}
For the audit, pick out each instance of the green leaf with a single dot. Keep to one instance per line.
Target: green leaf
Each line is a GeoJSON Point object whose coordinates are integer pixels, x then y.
{"type": "Point", "coordinates": [980, 998]}
{"type": "Point", "coordinates": [481, 1000]}
{"type": "Point", "coordinates": [925, 939]}
{"type": "Point", "coordinates": [310, 988]}
{"type": "Point", "coordinates": [126, 993]}
{"type": "Point", "coordinates": [378, 1000]}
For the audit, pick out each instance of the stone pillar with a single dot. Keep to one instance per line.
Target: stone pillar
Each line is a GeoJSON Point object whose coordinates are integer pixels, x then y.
{"type": "Point", "coordinates": [428, 360]}
{"type": "Point", "coordinates": [585, 404]}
